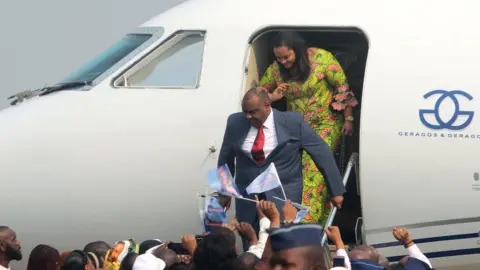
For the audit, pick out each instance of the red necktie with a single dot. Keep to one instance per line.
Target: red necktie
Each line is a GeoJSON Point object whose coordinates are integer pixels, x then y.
{"type": "Point", "coordinates": [257, 148]}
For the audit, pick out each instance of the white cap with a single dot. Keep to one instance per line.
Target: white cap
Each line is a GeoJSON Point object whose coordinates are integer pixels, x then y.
{"type": "Point", "coordinates": [148, 262]}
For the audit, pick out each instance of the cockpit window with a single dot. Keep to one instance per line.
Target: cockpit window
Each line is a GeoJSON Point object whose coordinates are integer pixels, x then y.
{"type": "Point", "coordinates": [107, 59]}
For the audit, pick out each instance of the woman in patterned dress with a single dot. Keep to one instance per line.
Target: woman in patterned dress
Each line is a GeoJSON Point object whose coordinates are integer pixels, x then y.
{"type": "Point", "coordinates": [315, 85]}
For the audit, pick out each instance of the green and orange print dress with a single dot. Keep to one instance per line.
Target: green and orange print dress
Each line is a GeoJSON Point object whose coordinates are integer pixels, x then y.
{"type": "Point", "coordinates": [321, 98]}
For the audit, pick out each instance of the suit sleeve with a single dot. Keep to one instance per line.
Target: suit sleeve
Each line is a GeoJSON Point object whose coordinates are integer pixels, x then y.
{"type": "Point", "coordinates": [321, 154]}
{"type": "Point", "coordinates": [227, 153]}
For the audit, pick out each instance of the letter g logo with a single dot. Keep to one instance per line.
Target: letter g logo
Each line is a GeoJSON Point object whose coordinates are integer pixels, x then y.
{"type": "Point", "coordinates": [456, 112]}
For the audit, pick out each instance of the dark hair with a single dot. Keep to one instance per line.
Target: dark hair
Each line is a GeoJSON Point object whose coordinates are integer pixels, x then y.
{"type": "Point", "coordinates": [179, 266]}
{"type": "Point", "coordinates": [249, 259]}
{"type": "Point", "coordinates": [43, 257]}
{"type": "Point", "coordinates": [294, 41]}
{"type": "Point", "coordinates": [76, 260]}
{"type": "Point", "coordinates": [225, 232]}
{"type": "Point", "coordinates": [128, 261]}
{"type": "Point", "coordinates": [146, 245]}
{"type": "Point", "coordinates": [99, 248]}
{"type": "Point", "coordinates": [215, 252]}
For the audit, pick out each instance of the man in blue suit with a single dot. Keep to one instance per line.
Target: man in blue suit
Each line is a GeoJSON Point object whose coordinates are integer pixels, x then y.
{"type": "Point", "coordinates": [261, 135]}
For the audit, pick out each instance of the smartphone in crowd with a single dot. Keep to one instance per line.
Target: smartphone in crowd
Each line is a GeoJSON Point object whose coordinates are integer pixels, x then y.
{"type": "Point", "coordinates": [338, 261]}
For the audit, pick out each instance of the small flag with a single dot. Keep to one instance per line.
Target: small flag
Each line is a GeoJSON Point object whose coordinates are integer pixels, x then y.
{"type": "Point", "coordinates": [215, 215]}
{"type": "Point", "coordinates": [301, 214]}
{"type": "Point", "coordinates": [266, 181]}
{"type": "Point", "coordinates": [221, 180]}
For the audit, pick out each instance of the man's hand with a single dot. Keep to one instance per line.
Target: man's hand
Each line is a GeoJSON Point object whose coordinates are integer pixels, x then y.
{"type": "Point", "coordinates": [233, 224]}
{"type": "Point", "coordinates": [270, 211]}
{"type": "Point", "coordinates": [246, 231]}
{"type": "Point", "coordinates": [189, 243]}
{"type": "Point", "coordinates": [334, 235]}
{"type": "Point", "coordinates": [338, 201]}
{"type": "Point", "coordinates": [259, 209]}
{"type": "Point", "coordinates": [186, 259]}
{"type": "Point", "coordinates": [402, 235]}
{"type": "Point", "coordinates": [289, 211]}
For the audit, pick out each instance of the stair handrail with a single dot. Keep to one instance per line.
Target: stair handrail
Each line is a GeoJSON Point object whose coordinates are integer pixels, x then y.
{"type": "Point", "coordinates": [352, 163]}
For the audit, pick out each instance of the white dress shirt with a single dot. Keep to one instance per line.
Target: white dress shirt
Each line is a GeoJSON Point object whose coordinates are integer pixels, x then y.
{"type": "Point", "coordinates": [3, 268]}
{"type": "Point", "coordinates": [343, 253]}
{"type": "Point", "coordinates": [257, 249]}
{"type": "Point", "coordinates": [415, 252]}
{"type": "Point", "coordinates": [270, 137]}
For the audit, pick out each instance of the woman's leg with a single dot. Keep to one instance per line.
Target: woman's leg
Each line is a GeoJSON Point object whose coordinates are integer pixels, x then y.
{"type": "Point", "coordinates": [315, 192]}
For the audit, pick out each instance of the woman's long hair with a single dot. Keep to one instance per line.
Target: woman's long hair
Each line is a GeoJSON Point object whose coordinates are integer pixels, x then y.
{"type": "Point", "coordinates": [301, 66]}
{"type": "Point", "coordinates": [44, 257]}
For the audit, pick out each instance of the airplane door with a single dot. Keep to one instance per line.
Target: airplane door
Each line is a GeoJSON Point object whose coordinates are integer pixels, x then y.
{"type": "Point", "coordinates": [184, 116]}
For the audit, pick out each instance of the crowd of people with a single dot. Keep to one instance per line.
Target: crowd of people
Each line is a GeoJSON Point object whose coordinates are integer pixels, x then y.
{"type": "Point", "coordinates": [278, 245]}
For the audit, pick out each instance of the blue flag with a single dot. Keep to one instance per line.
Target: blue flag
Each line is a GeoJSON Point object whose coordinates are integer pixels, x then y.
{"type": "Point", "coordinates": [215, 215]}
{"type": "Point", "coordinates": [221, 180]}
{"type": "Point", "coordinates": [266, 181]}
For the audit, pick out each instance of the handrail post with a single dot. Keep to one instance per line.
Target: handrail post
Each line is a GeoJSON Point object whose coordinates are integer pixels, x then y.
{"type": "Point", "coordinates": [352, 161]}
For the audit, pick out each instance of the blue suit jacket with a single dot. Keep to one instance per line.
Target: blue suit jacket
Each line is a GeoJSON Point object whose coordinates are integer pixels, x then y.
{"type": "Point", "coordinates": [294, 135]}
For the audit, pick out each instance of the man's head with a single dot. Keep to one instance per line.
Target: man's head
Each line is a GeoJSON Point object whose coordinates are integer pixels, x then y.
{"type": "Point", "coordinates": [99, 248]}
{"type": "Point", "coordinates": [256, 106]}
{"type": "Point", "coordinates": [10, 249]}
{"type": "Point", "coordinates": [249, 259]}
{"type": "Point", "coordinates": [148, 244]}
{"type": "Point", "coordinates": [168, 256]}
{"type": "Point", "coordinates": [372, 252]}
{"type": "Point", "coordinates": [215, 251]}
{"type": "Point", "coordinates": [297, 247]}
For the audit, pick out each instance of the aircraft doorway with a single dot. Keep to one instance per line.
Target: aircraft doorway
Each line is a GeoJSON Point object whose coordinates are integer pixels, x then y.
{"type": "Point", "coordinates": [350, 47]}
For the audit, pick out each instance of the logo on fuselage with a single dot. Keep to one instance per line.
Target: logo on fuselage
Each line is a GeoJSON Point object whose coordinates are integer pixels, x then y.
{"type": "Point", "coordinates": [445, 121]}
{"type": "Point", "coordinates": [451, 123]}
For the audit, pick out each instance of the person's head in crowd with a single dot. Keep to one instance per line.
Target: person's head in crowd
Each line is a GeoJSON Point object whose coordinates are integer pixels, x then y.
{"type": "Point", "coordinates": [118, 252]}
{"type": "Point", "coordinates": [168, 256]}
{"type": "Point", "coordinates": [358, 254]}
{"type": "Point", "coordinates": [77, 260]}
{"type": "Point", "coordinates": [215, 252]}
{"type": "Point", "coordinates": [44, 257]}
{"type": "Point", "coordinates": [371, 251]}
{"type": "Point", "coordinates": [227, 233]}
{"type": "Point", "coordinates": [94, 260]}
{"type": "Point", "coordinates": [297, 247]}
{"type": "Point", "coordinates": [128, 261]}
{"type": "Point", "coordinates": [256, 106]}
{"type": "Point", "coordinates": [148, 244]}
{"type": "Point", "coordinates": [291, 52]}
{"type": "Point", "coordinates": [63, 256]}
{"type": "Point", "coordinates": [249, 259]}
{"type": "Point", "coordinates": [148, 262]}
{"type": "Point", "coordinates": [10, 248]}
{"type": "Point", "coordinates": [99, 248]}
{"type": "Point", "coordinates": [383, 261]}
{"type": "Point", "coordinates": [179, 266]}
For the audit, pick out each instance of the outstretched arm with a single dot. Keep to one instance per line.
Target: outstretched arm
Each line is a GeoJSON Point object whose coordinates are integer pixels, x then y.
{"type": "Point", "coordinates": [227, 153]}
{"type": "Point", "coordinates": [321, 154]}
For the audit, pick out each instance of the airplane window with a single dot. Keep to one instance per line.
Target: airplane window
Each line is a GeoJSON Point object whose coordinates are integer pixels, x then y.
{"type": "Point", "coordinates": [177, 66]}
{"type": "Point", "coordinates": [107, 59]}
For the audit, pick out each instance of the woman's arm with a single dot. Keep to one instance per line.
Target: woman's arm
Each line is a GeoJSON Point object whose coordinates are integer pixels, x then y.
{"type": "Point", "coordinates": [343, 98]}
{"type": "Point", "coordinates": [268, 80]}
